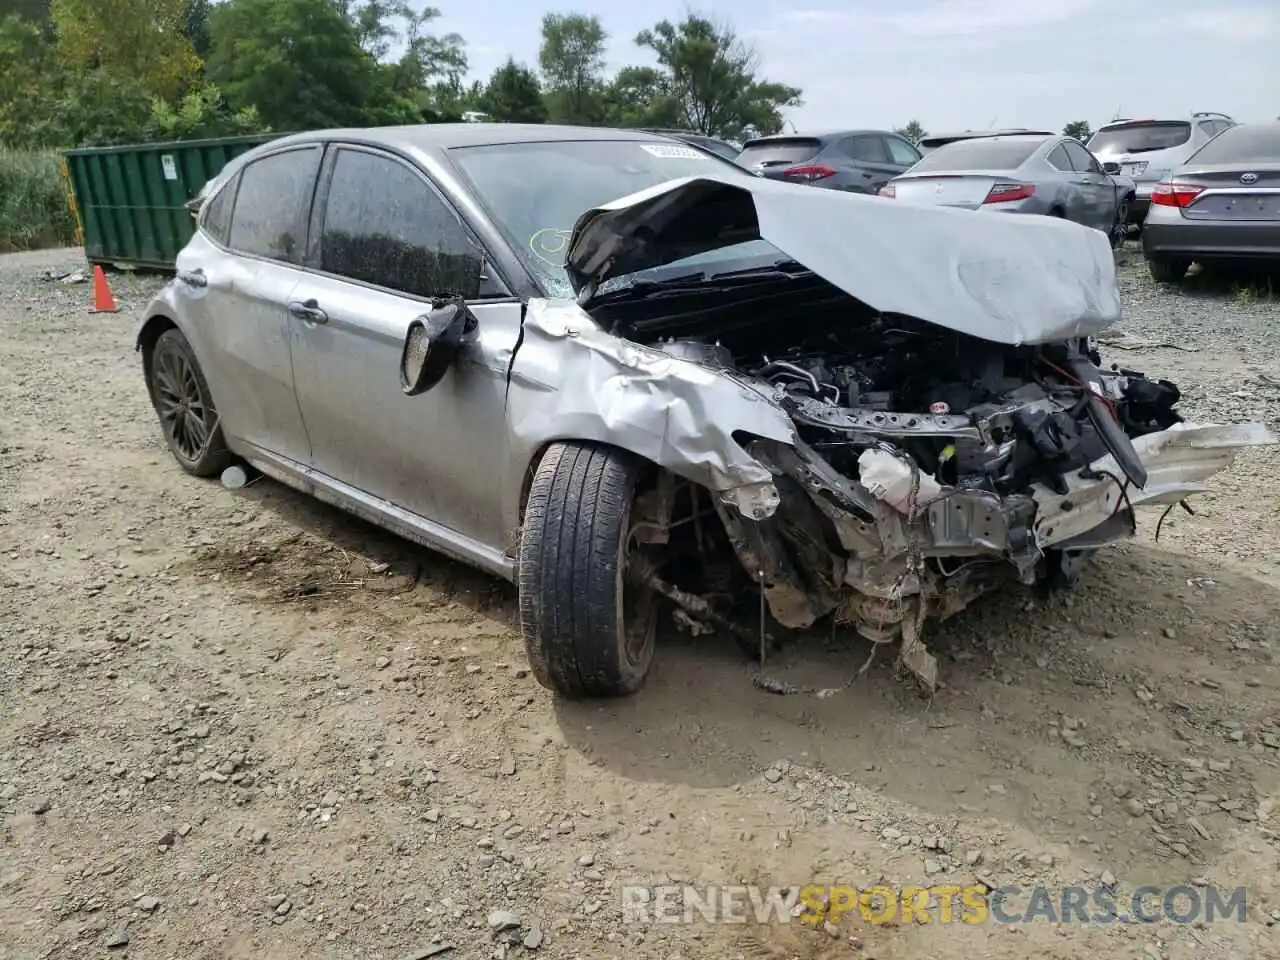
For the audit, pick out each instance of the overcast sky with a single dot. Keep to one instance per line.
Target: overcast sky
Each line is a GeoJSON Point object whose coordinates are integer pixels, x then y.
{"type": "Point", "coordinates": [953, 64]}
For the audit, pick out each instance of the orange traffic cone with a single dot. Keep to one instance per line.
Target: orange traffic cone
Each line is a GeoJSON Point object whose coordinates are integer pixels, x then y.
{"type": "Point", "coordinates": [103, 301]}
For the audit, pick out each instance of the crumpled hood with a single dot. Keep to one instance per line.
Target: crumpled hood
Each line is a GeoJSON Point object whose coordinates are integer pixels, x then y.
{"type": "Point", "coordinates": [1014, 279]}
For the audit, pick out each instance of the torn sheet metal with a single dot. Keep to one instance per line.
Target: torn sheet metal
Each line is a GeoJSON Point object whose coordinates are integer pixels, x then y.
{"type": "Point", "coordinates": [1178, 461]}
{"type": "Point", "coordinates": [1013, 280]}
{"type": "Point", "coordinates": [677, 413]}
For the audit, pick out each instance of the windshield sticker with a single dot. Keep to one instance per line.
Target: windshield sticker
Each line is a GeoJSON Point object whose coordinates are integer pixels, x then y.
{"type": "Point", "coordinates": [549, 244]}
{"type": "Point", "coordinates": [671, 151]}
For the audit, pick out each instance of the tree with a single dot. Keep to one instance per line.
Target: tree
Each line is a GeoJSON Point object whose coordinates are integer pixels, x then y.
{"type": "Point", "coordinates": [1079, 129]}
{"type": "Point", "coordinates": [572, 62]}
{"type": "Point", "coordinates": [711, 75]}
{"type": "Point", "coordinates": [913, 131]}
{"type": "Point", "coordinates": [140, 41]}
{"type": "Point", "coordinates": [513, 95]}
{"type": "Point", "coordinates": [298, 62]}
{"type": "Point", "coordinates": [202, 112]}
{"type": "Point", "coordinates": [196, 28]}
{"type": "Point", "coordinates": [639, 97]}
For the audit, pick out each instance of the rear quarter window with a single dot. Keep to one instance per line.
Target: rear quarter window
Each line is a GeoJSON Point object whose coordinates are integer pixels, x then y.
{"type": "Point", "coordinates": [788, 150]}
{"type": "Point", "coordinates": [215, 218]}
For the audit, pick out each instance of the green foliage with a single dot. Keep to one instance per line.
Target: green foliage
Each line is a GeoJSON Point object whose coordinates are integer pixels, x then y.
{"type": "Point", "coordinates": [572, 62]}
{"type": "Point", "coordinates": [913, 131]}
{"type": "Point", "coordinates": [513, 95]}
{"type": "Point", "coordinates": [298, 62]}
{"type": "Point", "coordinates": [711, 76]}
{"type": "Point", "coordinates": [202, 113]}
{"type": "Point", "coordinates": [101, 72]}
{"type": "Point", "coordinates": [640, 97]}
{"type": "Point", "coordinates": [1079, 129]}
{"type": "Point", "coordinates": [196, 26]}
{"type": "Point", "coordinates": [34, 211]}
{"type": "Point", "coordinates": [143, 41]}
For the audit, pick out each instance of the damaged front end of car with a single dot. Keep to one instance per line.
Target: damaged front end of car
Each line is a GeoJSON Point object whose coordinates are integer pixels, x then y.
{"type": "Point", "coordinates": [904, 415]}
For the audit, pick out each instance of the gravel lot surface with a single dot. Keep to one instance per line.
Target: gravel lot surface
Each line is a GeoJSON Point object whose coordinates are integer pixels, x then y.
{"type": "Point", "coordinates": [239, 724]}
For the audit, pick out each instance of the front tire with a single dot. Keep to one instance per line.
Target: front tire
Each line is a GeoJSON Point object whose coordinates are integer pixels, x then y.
{"type": "Point", "coordinates": [184, 404]}
{"type": "Point", "coordinates": [1167, 271]}
{"type": "Point", "coordinates": [588, 627]}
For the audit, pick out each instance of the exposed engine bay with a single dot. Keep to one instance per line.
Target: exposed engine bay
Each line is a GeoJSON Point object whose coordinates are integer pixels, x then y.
{"type": "Point", "coordinates": [926, 461]}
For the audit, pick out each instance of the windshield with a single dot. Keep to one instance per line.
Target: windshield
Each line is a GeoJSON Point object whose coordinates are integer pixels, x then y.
{"type": "Point", "coordinates": [978, 155]}
{"type": "Point", "coordinates": [537, 191]}
{"type": "Point", "coordinates": [1141, 137]}
{"type": "Point", "coordinates": [1242, 144]}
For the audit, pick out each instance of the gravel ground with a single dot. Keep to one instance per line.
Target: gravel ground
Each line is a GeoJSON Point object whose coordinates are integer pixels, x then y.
{"type": "Point", "coordinates": [238, 724]}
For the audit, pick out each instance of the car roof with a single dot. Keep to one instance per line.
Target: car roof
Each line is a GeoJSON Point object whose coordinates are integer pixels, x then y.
{"type": "Point", "coordinates": [446, 136]}
{"type": "Point", "coordinates": [1014, 137]}
{"type": "Point", "coordinates": [982, 134]}
{"type": "Point", "coordinates": [817, 135]}
{"type": "Point", "coordinates": [1189, 118]}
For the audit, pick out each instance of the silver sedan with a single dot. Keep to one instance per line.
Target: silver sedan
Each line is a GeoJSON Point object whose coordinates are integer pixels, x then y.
{"type": "Point", "coordinates": [627, 375]}
{"type": "Point", "coordinates": [1024, 173]}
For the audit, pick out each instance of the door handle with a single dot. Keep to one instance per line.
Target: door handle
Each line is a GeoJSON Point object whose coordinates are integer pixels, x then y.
{"type": "Point", "coordinates": [193, 278]}
{"type": "Point", "coordinates": [308, 311]}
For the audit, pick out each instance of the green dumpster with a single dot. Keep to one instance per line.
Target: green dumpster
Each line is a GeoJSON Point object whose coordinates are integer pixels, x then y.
{"type": "Point", "coordinates": [130, 200]}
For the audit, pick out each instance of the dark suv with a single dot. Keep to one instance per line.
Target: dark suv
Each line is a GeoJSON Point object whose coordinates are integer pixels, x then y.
{"type": "Point", "coordinates": [858, 160]}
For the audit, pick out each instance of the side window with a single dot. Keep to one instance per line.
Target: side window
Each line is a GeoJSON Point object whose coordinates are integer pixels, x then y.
{"type": "Point", "coordinates": [1082, 159]}
{"type": "Point", "coordinates": [1220, 125]}
{"type": "Point", "coordinates": [273, 205]}
{"type": "Point", "coordinates": [1208, 127]}
{"type": "Point", "coordinates": [1059, 160]}
{"type": "Point", "coordinates": [384, 225]}
{"type": "Point", "coordinates": [901, 152]}
{"type": "Point", "coordinates": [866, 149]}
{"type": "Point", "coordinates": [216, 216]}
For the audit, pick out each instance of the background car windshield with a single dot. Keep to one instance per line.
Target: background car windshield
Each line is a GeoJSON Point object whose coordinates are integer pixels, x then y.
{"type": "Point", "coordinates": [978, 155]}
{"type": "Point", "coordinates": [537, 191]}
{"type": "Point", "coordinates": [1243, 144]}
{"type": "Point", "coordinates": [1140, 137]}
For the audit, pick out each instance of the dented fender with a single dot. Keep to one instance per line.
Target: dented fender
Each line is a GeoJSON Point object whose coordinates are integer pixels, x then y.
{"type": "Point", "coordinates": [570, 380]}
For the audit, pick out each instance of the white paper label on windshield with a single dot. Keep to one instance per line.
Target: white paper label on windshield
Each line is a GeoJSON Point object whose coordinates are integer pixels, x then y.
{"type": "Point", "coordinates": [672, 151]}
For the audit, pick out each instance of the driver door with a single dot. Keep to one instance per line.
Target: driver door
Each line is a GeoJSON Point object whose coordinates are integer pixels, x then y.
{"type": "Point", "coordinates": [387, 243]}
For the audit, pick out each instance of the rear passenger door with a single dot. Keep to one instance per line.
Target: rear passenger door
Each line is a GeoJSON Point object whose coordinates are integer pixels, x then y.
{"type": "Point", "coordinates": [870, 167]}
{"type": "Point", "coordinates": [1098, 189]}
{"type": "Point", "coordinates": [385, 242]}
{"type": "Point", "coordinates": [239, 283]}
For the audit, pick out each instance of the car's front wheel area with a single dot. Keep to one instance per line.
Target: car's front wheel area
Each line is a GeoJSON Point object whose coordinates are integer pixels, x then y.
{"type": "Point", "coordinates": [184, 404]}
{"type": "Point", "coordinates": [587, 617]}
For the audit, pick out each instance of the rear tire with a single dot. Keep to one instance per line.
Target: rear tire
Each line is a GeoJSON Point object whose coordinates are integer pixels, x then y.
{"type": "Point", "coordinates": [588, 631]}
{"type": "Point", "coordinates": [183, 402]}
{"type": "Point", "coordinates": [1167, 271]}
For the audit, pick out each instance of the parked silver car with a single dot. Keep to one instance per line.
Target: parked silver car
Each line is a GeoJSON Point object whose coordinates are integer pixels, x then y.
{"type": "Point", "coordinates": [1021, 173]}
{"type": "Point", "coordinates": [718, 391]}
